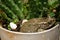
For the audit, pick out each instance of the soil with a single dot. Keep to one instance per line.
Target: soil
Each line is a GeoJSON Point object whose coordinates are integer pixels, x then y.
{"type": "Point", "coordinates": [37, 24]}
{"type": "Point", "coordinates": [33, 25]}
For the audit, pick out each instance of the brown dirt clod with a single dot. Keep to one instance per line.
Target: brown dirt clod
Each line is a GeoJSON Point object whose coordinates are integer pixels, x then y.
{"type": "Point", "coordinates": [34, 25]}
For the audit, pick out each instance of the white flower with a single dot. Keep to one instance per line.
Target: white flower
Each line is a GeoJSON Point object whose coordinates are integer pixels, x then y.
{"type": "Point", "coordinates": [13, 26]}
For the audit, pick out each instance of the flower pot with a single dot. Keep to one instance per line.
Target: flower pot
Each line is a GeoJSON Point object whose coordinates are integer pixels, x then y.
{"type": "Point", "coordinates": [51, 34]}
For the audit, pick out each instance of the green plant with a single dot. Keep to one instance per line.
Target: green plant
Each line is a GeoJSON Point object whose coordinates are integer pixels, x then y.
{"type": "Point", "coordinates": [16, 10]}
{"type": "Point", "coordinates": [39, 8]}
{"type": "Point", "coordinates": [13, 7]}
{"type": "Point", "coordinates": [8, 12]}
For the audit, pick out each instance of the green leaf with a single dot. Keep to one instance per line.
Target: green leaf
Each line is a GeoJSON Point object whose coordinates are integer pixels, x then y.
{"type": "Point", "coordinates": [50, 2]}
{"type": "Point", "coordinates": [9, 28]}
{"type": "Point", "coordinates": [52, 14]}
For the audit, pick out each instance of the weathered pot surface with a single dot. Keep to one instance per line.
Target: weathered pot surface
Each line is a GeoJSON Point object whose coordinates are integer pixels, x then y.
{"type": "Point", "coordinates": [51, 34]}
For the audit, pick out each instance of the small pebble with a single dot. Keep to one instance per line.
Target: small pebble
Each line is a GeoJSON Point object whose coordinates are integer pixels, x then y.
{"type": "Point", "coordinates": [13, 26]}
{"type": "Point", "coordinates": [40, 30]}
{"type": "Point", "coordinates": [54, 10]}
{"type": "Point", "coordinates": [25, 20]}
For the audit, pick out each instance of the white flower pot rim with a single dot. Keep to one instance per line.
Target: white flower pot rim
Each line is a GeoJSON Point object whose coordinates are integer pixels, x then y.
{"type": "Point", "coordinates": [30, 33]}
